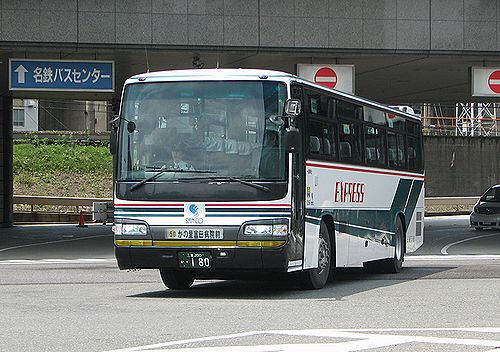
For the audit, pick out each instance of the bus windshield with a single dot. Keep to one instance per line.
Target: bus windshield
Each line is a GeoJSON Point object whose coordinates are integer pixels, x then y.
{"type": "Point", "coordinates": [221, 128]}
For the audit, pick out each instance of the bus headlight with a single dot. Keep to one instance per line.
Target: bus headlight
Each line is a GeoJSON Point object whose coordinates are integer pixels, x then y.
{"type": "Point", "coordinates": [266, 229]}
{"type": "Point", "coordinates": [130, 229]}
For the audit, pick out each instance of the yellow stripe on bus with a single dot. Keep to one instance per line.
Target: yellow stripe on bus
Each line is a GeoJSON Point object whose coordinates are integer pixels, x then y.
{"type": "Point", "coordinates": [172, 243]}
{"type": "Point", "coordinates": [260, 243]}
{"type": "Point", "coordinates": [133, 242]}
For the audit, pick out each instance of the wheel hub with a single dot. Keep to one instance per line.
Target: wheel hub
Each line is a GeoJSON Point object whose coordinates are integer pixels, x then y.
{"type": "Point", "coordinates": [323, 255]}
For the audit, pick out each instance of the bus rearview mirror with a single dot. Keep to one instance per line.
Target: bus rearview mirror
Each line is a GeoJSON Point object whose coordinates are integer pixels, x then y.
{"type": "Point", "coordinates": [293, 107]}
{"type": "Point", "coordinates": [131, 126]}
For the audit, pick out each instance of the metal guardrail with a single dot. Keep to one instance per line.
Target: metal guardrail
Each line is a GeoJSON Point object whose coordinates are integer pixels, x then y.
{"type": "Point", "coordinates": [80, 202]}
{"type": "Point", "coordinates": [62, 201]}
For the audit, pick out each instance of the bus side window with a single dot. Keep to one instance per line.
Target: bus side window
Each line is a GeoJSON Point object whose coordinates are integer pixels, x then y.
{"type": "Point", "coordinates": [321, 125]}
{"type": "Point", "coordinates": [314, 145]}
{"type": "Point", "coordinates": [396, 150]}
{"type": "Point", "coordinates": [345, 150]}
{"type": "Point", "coordinates": [322, 137]}
{"type": "Point", "coordinates": [401, 151]}
{"type": "Point", "coordinates": [392, 147]}
{"type": "Point", "coordinates": [414, 157]}
{"type": "Point", "coordinates": [315, 141]}
{"type": "Point", "coordinates": [350, 142]}
{"type": "Point", "coordinates": [374, 146]}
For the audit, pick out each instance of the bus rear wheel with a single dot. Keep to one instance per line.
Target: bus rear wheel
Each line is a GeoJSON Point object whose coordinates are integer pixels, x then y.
{"type": "Point", "coordinates": [316, 278]}
{"type": "Point", "coordinates": [177, 279]}
{"type": "Point", "coordinates": [394, 265]}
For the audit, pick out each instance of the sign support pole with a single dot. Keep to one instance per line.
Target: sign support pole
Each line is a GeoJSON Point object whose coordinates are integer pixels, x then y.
{"type": "Point", "coordinates": [6, 149]}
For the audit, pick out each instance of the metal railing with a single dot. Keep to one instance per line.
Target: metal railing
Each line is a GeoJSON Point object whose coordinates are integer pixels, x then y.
{"type": "Point", "coordinates": [76, 202]}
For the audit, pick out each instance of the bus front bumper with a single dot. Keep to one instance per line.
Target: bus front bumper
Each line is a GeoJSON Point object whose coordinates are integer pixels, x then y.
{"type": "Point", "coordinates": [238, 256]}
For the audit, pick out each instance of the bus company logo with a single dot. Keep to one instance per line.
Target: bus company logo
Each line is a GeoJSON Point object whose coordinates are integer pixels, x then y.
{"type": "Point", "coordinates": [193, 208]}
{"type": "Point", "coordinates": [349, 192]}
{"type": "Point", "coordinates": [194, 213]}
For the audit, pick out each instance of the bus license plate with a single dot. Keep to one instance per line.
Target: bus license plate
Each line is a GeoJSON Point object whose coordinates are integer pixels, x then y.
{"type": "Point", "coordinates": [195, 259]}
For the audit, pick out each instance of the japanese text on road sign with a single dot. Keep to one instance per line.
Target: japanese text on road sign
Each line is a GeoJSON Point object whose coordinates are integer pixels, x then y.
{"type": "Point", "coordinates": [62, 75]}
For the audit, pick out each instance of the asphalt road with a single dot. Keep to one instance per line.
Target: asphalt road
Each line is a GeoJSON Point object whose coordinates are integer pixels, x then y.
{"type": "Point", "coordinates": [61, 291]}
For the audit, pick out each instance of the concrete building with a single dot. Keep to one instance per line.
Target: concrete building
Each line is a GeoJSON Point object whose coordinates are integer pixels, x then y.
{"type": "Point", "coordinates": [404, 51]}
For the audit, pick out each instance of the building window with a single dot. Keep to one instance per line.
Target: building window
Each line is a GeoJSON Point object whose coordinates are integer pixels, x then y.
{"type": "Point", "coordinates": [18, 117]}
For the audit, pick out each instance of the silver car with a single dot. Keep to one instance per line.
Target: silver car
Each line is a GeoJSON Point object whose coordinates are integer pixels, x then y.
{"type": "Point", "coordinates": [486, 212]}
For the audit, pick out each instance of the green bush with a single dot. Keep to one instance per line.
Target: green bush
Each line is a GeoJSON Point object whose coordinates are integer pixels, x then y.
{"type": "Point", "coordinates": [62, 168]}
{"type": "Point", "coordinates": [68, 157]}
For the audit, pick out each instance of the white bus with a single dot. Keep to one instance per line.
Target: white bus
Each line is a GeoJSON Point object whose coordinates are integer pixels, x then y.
{"type": "Point", "coordinates": [226, 171]}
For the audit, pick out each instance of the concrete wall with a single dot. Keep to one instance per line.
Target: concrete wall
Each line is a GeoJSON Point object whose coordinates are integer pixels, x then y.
{"type": "Point", "coordinates": [457, 25]}
{"type": "Point", "coordinates": [461, 166]}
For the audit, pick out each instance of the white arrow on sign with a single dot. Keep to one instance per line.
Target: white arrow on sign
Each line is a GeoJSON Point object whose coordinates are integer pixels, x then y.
{"type": "Point", "coordinates": [21, 71]}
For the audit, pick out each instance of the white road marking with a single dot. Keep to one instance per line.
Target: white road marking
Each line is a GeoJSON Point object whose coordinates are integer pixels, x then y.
{"type": "Point", "coordinates": [181, 342]}
{"type": "Point", "coordinates": [451, 257]}
{"type": "Point", "coordinates": [444, 250]}
{"type": "Point", "coordinates": [363, 339]}
{"type": "Point", "coordinates": [408, 258]}
{"type": "Point", "coordinates": [58, 261]}
{"type": "Point", "coordinates": [50, 242]}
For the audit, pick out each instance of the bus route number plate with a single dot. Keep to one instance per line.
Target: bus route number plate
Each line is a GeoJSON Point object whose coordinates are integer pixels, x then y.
{"type": "Point", "coordinates": [195, 259]}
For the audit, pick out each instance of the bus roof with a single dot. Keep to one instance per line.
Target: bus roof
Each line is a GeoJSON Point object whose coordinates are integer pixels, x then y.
{"type": "Point", "coordinates": [252, 74]}
{"type": "Point", "coordinates": [217, 73]}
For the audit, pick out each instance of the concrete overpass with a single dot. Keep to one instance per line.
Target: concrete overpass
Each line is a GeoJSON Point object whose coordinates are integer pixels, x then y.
{"type": "Point", "coordinates": [404, 51]}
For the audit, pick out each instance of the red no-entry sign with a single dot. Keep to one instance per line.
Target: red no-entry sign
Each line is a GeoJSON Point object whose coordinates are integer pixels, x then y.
{"type": "Point", "coordinates": [494, 81]}
{"type": "Point", "coordinates": [326, 77]}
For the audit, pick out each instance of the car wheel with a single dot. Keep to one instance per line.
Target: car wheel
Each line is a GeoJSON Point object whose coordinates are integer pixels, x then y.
{"type": "Point", "coordinates": [313, 279]}
{"type": "Point", "coordinates": [478, 228]}
{"type": "Point", "coordinates": [177, 279]}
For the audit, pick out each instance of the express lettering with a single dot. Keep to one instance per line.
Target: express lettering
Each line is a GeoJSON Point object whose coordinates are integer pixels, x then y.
{"type": "Point", "coordinates": [349, 192]}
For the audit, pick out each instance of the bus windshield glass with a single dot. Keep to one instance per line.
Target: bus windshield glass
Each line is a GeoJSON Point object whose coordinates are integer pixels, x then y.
{"type": "Point", "coordinates": [221, 128]}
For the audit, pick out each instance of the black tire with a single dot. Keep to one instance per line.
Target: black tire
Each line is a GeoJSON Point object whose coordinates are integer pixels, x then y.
{"type": "Point", "coordinates": [478, 228]}
{"type": "Point", "coordinates": [313, 279]}
{"type": "Point", "coordinates": [177, 279]}
{"type": "Point", "coordinates": [394, 265]}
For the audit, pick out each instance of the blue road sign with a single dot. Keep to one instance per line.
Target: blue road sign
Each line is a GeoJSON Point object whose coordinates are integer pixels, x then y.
{"type": "Point", "coordinates": [61, 75]}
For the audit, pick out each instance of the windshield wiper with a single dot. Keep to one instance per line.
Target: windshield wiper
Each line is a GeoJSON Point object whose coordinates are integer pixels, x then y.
{"type": "Point", "coordinates": [164, 170]}
{"type": "Point", "coordinates": [228, 178]}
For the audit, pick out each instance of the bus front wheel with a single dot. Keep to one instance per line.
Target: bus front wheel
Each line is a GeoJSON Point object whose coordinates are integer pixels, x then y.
{"type": "Point", "coordinates": [177, 279]}
{"type": "Point", "coordinates": [316, 278]}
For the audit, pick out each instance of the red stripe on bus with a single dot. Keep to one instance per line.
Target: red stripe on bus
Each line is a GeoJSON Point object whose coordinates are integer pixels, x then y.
{"type": "Point", "coordinates": [149, 205]}
{"type": "Point", "coordinates": [246, 205]}
{"type": "Point", "coordinates": [345, 168]}
{"type": "Point", "coordinates": [207, 204]}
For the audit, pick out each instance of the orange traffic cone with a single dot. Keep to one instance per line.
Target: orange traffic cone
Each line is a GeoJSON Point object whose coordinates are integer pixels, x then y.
{"type": "Point", "coordinates": [81, 223]}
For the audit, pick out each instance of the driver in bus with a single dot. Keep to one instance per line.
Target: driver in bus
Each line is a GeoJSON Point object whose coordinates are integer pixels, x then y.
{"type": "Point", "coordinates": [178, 161]}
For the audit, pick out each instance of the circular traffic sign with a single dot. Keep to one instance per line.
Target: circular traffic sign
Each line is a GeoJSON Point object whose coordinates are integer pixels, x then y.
{"type": "Point", "coordinates": [326, 77]}
{"type": "Point", "coordinates": [494, 81]}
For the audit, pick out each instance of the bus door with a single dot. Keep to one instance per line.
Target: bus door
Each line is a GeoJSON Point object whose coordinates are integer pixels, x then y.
{"type": "Point", "coordinates": [298, 188]}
